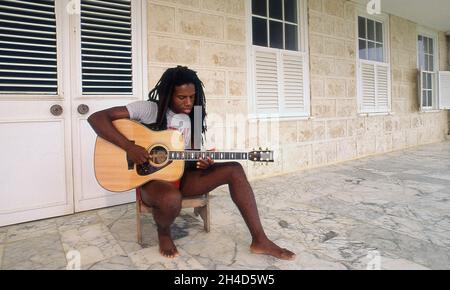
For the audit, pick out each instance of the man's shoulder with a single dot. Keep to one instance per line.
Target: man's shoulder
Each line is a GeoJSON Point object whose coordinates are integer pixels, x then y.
{"type": "Point", "coordinates": [145, 104]}
{"type": "Point", "coordinates": [143, 111]}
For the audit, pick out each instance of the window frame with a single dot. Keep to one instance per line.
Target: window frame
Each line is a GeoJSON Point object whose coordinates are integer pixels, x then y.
{"type": "Point", "coordinates": [424, 32]}
{"type": "Point", "coordinates": [384, 19]}
{"type": "Point", "coordinates": [251, 74]}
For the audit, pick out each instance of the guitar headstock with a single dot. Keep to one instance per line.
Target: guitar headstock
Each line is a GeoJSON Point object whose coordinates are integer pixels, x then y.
{"type": "Point", "coordinates": [261, 155]}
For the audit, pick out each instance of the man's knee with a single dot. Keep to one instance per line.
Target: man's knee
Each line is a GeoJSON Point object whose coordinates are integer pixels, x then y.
{"type": "Point", "coordinates": [236, 170]}
{"type": "Point", "coordinates": [170, 201]}
{"type": "Point", "coordinates": [164, 198]}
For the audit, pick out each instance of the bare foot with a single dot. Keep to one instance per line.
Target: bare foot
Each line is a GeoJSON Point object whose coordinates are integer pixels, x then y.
{"type": "Point", "coordinates": [166, 246]}
{"type": "Point", "coordinates": [268, 247]}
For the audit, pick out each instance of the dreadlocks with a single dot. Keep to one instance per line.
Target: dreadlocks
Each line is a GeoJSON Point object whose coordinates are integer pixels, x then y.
{"type": "Point", "coordinates": [163, 91]}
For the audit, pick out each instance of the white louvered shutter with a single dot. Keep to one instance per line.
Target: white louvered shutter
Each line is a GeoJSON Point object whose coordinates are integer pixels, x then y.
{"type": "Point", "coordinates": [374, 87]}
{"type": "Point", "coordinates": [266, 82]}
{"type": "Point", "coordinates": [28, 58]}
{"type": "Point", "coordinates": [382, 88]}
{"type": "Point", "coordinates": [444, 89]}
{"type": "Point", "coordinates": [420, 80]}
{"type": "Point", "coordinates": [293, 79]}
{"type": "Point", "coordinates": [106, 47]}
{"type": "Point", "coordinates": [368, 87]}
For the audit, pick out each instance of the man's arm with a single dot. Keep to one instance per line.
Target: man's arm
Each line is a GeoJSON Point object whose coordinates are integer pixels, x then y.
{"type": "Point", "coordinates": [101, 122]}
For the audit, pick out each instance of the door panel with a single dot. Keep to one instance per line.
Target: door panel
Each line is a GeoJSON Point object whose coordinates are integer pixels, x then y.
{"type": "Point", "coordinates": [88, 193]}
{"type": "Point", "coordinates": [25, 185]}
{"type": "Point", "coordinates": [35, 171]}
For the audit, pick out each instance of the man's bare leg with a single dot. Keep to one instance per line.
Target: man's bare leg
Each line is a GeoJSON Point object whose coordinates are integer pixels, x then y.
{"type": "Point", "coordinates": [165, 201]}
{"type": "Point", "coordinates": [202, 181]}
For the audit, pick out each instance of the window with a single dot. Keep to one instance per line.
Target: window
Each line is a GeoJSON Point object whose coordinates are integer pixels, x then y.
{"type": "Point", "coordinates": [373, 65]}
{"type": "Point", "coordinates": [279, 65]}
{"type": "Point", "coordinates": [275, 24]}
{"type": "Point", "coordinates": [426, 48]}
{"type": "Point", "coordinates": [370, 39]}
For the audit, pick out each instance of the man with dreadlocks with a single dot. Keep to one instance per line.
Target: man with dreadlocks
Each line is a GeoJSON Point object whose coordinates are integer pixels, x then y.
{"type": "Point", "coordinates": [170, 106]}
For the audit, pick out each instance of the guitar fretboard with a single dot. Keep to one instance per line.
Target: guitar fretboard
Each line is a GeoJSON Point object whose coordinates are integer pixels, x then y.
{"type": "Point", "coordinates": [195, 155]}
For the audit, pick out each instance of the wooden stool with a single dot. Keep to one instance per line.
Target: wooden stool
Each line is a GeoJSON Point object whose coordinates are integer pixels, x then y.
{"type": "Point", "coordinates": [199, 203]}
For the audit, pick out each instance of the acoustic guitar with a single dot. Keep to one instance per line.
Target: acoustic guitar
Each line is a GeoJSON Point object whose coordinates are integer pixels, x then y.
{"type": "Point", "coordinates": [115, 172]}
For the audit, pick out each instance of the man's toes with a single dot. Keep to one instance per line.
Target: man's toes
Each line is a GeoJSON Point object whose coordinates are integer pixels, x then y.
{"type": "Point", "coordinates": [175, 253]}
{"type": "Point", "coordinates": [288, 255]}
{"type": "Point", "coordinates": [172, 253]}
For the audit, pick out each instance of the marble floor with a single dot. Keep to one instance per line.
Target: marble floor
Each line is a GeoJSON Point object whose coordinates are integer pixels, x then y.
{"type": "Point", "coordinates": [389, 211]}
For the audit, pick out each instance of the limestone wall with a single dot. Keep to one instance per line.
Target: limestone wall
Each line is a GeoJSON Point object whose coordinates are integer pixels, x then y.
{"type": "Point", "coordinates": [210, 36]}
{"type": "Point", "coordinates": [206, 35]}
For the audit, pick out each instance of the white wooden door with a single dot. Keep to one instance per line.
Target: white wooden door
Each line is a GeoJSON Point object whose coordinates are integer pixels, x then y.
{"type": "Point", "coordinates": [35, 144]}
{"type": "Point", "coordinates": [107, 60]}
{"type": "Point", "coordinates": [46, 166]}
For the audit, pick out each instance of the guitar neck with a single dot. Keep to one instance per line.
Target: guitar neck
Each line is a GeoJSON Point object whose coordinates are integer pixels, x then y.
{"type": "Point", "coordinates": [195, 155]}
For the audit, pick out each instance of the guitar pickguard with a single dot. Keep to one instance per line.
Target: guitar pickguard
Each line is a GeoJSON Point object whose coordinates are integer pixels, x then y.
{"type": "Point", "coordinates": [147, 169]}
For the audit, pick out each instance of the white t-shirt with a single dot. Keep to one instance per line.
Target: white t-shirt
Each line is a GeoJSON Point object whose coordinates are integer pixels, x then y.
{"type": "Point", "coordinates": [146, 112]}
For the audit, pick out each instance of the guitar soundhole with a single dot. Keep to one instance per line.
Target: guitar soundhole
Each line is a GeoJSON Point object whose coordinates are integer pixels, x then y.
{"type": "Point", "coordinates": [158, 155]}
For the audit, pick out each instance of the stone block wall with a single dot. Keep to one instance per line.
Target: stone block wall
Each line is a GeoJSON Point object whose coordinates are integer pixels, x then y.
{"type": "Point", "coordinates": [210, 36]}
{"type": "Point", "coordinates": [333, 86]}
{"type": "Point", "coordinates": [333, 82]}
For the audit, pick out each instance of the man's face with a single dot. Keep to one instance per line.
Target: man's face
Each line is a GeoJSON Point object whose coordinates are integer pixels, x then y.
{"type": "Point", "coordinates": [183, 99]}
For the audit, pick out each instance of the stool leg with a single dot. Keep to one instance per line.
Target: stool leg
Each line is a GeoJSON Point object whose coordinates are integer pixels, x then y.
{"type": "Point", "coordinates": [138, 223]}
{"type": "Point", "coordinates": [204, 213]}
{"type": "Point", "coordinates": [208, 215]}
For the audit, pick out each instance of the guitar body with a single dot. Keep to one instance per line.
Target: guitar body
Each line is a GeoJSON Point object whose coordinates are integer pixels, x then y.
{"type": "Point", "coordinates": [115, 172]}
